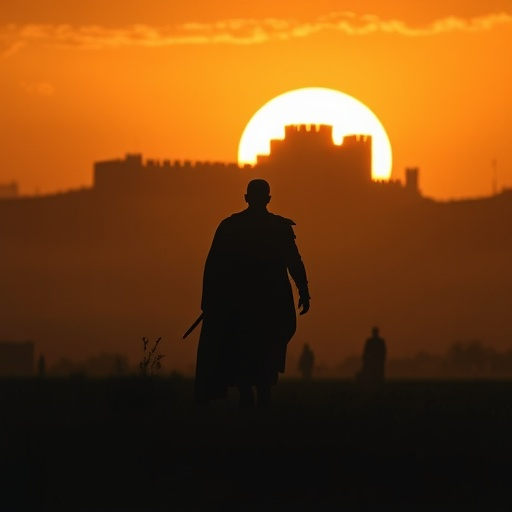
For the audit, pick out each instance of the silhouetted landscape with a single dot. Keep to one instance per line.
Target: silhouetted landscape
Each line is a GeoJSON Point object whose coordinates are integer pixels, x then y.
{"type": "Point", "coordinates": [94, 270]}
{"type": "Point", "coordinates": [135, 444]}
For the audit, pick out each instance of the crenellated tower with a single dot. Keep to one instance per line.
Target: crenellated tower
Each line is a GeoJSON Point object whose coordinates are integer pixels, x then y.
{"type": "Point", "coordinates": [310, 148]}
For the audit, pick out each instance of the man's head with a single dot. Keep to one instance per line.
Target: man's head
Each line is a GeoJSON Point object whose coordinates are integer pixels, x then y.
{"type": "Point", "coordinates": [258, 193]}
{"type": "Point", "coordinates": [375, 331]}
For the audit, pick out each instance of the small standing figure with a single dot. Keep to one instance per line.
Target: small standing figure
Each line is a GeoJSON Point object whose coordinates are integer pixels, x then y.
{"type": "Point", "coordinates": [374, 359]}
{"type": "Point", "coordinates": [306, 362]}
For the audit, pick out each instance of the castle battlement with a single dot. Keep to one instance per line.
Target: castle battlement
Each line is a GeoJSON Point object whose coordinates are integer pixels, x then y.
{"type": "Point", "coordinates": [357, 140]}
{"type": "Point", "coordinates": [311, 146]}
{"type": "Point", "coordinates": [310, 130]}
{"type": "Point", "coordinates": [132, 172]}
{"type": "Point", "coordinates": [305, 151]}
{"type": "Point", "coordinates": [135, 161]}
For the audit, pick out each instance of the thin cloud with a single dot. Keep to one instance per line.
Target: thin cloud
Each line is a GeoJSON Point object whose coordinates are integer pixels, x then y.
{"type": "Point", "coordinates": [232, 31]}
{"type": "Point", "coordinates": [9, 49]}
{"type": "Point", "coordinates": [38, 88]}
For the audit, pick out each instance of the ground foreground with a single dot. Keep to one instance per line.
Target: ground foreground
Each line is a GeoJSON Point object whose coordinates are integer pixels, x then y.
{"type": "Point", "coordinates": [127, 444]}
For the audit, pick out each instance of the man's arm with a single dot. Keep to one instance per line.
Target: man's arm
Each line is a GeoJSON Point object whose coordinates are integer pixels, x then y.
{"type": "Point", "coordinates": [298, 273]}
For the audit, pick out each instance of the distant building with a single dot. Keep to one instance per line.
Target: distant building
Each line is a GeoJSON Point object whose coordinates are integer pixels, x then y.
{"type": "Point", "coordinates": [98, 366]}
{"type": "Point", "coordinates": [132, 174]}
{"type": "Point", "coordinates": [311, 146]}
{"type": "Point", "coordinates": [304, 148]}
{"type": "Point", "coordinates": [412, 180]}
{"type": "Point", "coordinates": [9, 190]}
{"type": "Point", "coordinates": [16, 358]}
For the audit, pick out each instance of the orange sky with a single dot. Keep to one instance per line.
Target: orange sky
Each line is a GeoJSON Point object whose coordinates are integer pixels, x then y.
{"type": "Point", "coordinates": [181, 80]}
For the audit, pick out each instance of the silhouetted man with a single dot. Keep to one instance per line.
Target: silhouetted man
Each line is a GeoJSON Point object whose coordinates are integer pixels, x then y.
{"type": "Point", "coordinates": [306, 362]}
{"type": "Point", "coordinates": [248, 309]}
{"type": "Point", "coordinates": [374, 359]}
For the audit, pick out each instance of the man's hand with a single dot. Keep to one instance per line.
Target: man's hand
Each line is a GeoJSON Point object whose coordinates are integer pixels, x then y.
{"type": "Point", "coordinates": [304, 304]}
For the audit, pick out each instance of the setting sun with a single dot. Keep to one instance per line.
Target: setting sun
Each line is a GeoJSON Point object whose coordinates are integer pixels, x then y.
{"type": "Point", "coordinates": [316, 105]}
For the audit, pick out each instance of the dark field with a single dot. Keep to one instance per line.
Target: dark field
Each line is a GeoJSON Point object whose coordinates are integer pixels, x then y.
{"type": "Point", "coordinates": [119, 444]}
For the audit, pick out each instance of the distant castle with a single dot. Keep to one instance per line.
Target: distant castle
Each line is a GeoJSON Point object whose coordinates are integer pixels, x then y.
{"type": "Point", "coordinates": [303, 148]}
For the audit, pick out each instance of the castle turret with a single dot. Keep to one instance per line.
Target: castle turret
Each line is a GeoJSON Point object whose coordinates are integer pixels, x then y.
{"type": "Point", "coordinates": [412, 180]}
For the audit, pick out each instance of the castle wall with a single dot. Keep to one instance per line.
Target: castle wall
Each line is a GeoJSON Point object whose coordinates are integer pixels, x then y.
{"type": "Point", "coordinates": [132, 174]}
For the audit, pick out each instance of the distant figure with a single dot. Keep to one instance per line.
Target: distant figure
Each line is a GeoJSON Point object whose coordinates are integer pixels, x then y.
{"type": "Point", "coordinates": [306, 362]}
{"type": "Point", "coordinates": [248, 310]}
{"type": "Point", "coordinates": [374, 359]}
{"type": "Point", "coordinates": [41, 366]}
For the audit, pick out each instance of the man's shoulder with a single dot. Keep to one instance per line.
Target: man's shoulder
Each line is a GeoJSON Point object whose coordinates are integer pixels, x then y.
{"type": "Point", "coordinates": [282, 220]}
{"type": "Point", "coordinates": [284, 226]}
{"type": "Point", "coordinates": [232, 220]}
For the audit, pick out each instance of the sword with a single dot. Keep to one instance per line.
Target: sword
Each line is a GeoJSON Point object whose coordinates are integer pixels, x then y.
{"type": "Point", "coordinates": [193, 326]}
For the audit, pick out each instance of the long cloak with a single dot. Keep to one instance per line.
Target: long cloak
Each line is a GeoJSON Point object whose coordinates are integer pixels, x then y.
{"type": "Point", "coordinates": [247, 302]}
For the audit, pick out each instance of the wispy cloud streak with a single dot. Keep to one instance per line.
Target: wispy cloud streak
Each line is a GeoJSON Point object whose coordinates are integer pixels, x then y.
{"type": "Point", "coordinates": [231, 31]}
{"type": "Point", "coordinates": [38, 88]}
